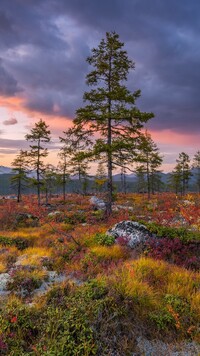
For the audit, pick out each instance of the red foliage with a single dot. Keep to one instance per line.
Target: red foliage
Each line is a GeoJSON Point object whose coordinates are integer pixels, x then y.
{"type": "Point", "coordinates": [175, 251]}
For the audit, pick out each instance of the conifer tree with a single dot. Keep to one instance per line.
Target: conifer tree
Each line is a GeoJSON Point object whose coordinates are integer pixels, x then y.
{"type": "Point", "coordinates": [181, 173]}
{"type": "Point", "coordinates": [174, 181]}
{"type": "Point", "coordinates": [19, 180]}
{"type": "Point", "coordinates": [49, 181]}
{"type": "Point", "coordinates": [196, 165]}
{"type": "Point", "coordinates": [75, 156]}
{"type": "Point", "coordinates": [110, 109]}
{"type": "Point", "coordinates": [63, 164]}
{"type": "Point", "coordinates": [100, 177]}
{"type": "Point", "coordinates": [149, 160]}
{"type": "Point", "coordinates": [39, 135]}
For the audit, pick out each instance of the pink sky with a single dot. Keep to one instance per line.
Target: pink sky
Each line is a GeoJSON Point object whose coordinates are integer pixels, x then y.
{"type": "Point", "coordinates": [170, 143]}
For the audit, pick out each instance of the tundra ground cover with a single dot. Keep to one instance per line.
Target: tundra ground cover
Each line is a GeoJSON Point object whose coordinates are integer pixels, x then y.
{"type": "Point", "coordinates": [110, 294]}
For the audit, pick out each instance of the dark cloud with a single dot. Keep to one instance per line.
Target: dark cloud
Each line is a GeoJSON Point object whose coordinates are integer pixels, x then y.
{"type": "Point", "coordinates": [44, 44]}
{"type": "Point", "coordinates": [6, 143]}
{"type": "Point", "coordinates": [8, 84]}
{"type": "Point", "coordinates": [11, 121]}
{"type": "Point", "coordinates": [7, 151]}
{"type": "Point", "coordinates": [16, 145]}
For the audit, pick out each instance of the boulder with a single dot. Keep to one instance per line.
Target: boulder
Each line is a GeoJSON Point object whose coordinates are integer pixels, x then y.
{"type": "Point", "coordinates": [129, 233]}
{"type": "Point", "coordinates": [4, 279]}
{"type": "Point", "coordinates": [55, 213]}
{"type": "Point", "coordinates": [97, 203]}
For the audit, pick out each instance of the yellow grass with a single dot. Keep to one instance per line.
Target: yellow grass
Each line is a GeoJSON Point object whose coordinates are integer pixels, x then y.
{"type": "Point", "coordinates": [2, 267]}
{"type": "Point", "coordinates": [32, 256]}
{"type": "Point", "coordinates": [183, 283]}
{"type": "Point", "coordinates": [38, 251]}
{"type": "Point", "coordinates": [127, 285]}
{"type": "Point", "coordinates": [114, 252]}
{"type": "Point", "coordinates": [11, 252]}
{"type": "Point", "coordinates": [154, 272]}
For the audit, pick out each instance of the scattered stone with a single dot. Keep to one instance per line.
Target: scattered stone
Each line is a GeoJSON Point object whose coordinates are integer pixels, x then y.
{"type": "Point", "coordinates": [179, 221]}
{"type": "Point", "coordinates": [97, 203]}
{"type": "Point", "coordinates": [55, 213]}
{"type": "Point", "coordinates": [4, 279]}
{"type": "Point", "coordinates": [26, 219]}
{"type": "Point", "coordinates": [129, 233]}
{"type": "Point", "coordinates": [158, 347]}
{"type": "Point", "coordinates": [122, 207]}
{"type": "Point", "coordinates": [188, 202]}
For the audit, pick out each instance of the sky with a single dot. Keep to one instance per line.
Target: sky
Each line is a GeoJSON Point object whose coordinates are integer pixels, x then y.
{"type": "Point", "coordinates": [43, 49]}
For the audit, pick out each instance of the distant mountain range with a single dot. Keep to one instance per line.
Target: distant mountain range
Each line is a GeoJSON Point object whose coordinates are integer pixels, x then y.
{"type": "Point", "coordinates": [5, 170]}
{"type": "Point", "coordinates": [116, 177]}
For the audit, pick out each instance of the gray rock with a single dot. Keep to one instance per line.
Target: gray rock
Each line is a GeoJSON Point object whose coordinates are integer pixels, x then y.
{"type": "Point", "coordinates": [122, 207]}
{"type": "Point", "coordinates": [26, 219]}
{"type": "Point", "coordinates": [131, 233]}
{"type": "Point", "coordinates": [158, 347]}
{"type": "Point", "coordinates": [4, 279]}
{"type": "Point", "coordinates": [55, 213]}
{"type": "Point", "coordinates": [97, 203]}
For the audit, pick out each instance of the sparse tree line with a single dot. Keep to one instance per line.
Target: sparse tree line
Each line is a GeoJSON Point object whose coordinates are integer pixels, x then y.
{"type": "Point", "coordinates": [109, 113]}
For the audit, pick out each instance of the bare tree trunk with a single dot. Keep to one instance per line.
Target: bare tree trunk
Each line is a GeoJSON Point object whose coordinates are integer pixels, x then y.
{"type": "Point", "coordinates": [38, 186]}
{"type": "Point", "coordinates": [148, 179]}
{"type": "Point", "coordinates": [19, 191]}
{"type": "Point", "coordinates": [64, 187]}
{"type": "Point", "coordinates": [110, 182]}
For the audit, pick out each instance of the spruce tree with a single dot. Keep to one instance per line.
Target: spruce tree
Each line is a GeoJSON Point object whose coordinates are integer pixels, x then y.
{"type": "Point", "coordinates": [149, 160]}
{"type": "Point", "coordinates": [196, 166]}
{"type": "Point", "coordinates": [181, 173]}
{"type": "Point", "coordinates": [100, 178]}
{"type": "Point", "coordinates": [20, 180]}
{"type": "Point", "coordinates": [74, 156]}
{"type": "Point", "coordinates": [110, 109]}
{"type": "Point", "coordinates": [39, 135]}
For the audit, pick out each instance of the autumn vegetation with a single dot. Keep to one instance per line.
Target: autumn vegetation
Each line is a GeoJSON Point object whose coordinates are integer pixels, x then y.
{"type": "Point", "coordinates": [108, 289]}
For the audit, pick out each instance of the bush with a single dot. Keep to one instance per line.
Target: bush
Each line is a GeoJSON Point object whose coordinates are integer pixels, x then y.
{"type": "Point", "coordinates": [175, 251]}
{"type": "Point", "coordinates": [104, 240]}
{"type": "Point", "coordinates": [171, 232]}
{"type": "Point", "coordinates": [20, 242]}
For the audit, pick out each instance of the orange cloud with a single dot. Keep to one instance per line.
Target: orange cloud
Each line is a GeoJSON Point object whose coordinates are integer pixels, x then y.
{"type": "Point", "coordinates": [170, 137]}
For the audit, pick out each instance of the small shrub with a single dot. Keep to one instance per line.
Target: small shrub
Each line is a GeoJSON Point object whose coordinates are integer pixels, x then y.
{"type": "Point", "coordinates": [162, 319]}
{"type": "Point", "coordinates": [183, 234]}
{"type": "Point", "coordinates": [20, 242]}
{"type": "Point", "coordinates": [26, 282]}
{"type": "Point", "coordinates": [175, 251]}
{"type": "Point", "coordinates": [104, 239]}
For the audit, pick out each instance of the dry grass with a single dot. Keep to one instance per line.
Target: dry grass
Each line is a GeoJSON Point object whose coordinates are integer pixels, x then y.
{"type": "Point", "coordinates": [114, 252]}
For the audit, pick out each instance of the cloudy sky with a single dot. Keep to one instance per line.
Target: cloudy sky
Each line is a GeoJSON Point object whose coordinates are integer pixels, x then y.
{"type": "Point", "coordinates": [43, 49]}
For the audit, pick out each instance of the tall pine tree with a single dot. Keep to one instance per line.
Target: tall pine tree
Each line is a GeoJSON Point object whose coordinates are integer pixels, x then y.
{"type": "Point", "coordinates": [20, 180]}
{"type": "Point", "coordinates": [110, 109]}
{"type": "Point", "coordinates": [196, 166]}
{"type": "Point", "coordinates": [39, 135]}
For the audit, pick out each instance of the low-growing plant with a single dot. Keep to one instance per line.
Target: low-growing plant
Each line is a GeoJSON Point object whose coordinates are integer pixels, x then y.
{"type": "Point", "coordinates": [104, 239]}
{"type": "Point", "coordinates": [164, 319]}
{"type": "Point", "coordinates": [183, 234]}
{"type": "Point", "coordinates": [25, 282]}
{"type": "Point", "coordinates": [114, 252]}
{"type": "Point", "coordinates": [175, 251]}
{"type": "Point", "coordinates": [20, 242]}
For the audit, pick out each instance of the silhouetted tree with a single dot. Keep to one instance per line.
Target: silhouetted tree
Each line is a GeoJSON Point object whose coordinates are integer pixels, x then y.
{"type": "Point", "coordinates": [196, 165]}
{"type": "Point", "coordinates": [149, 160]}
{"type": "Point", "coordinates": [20, 180]}
{"type": "Point", "coordinates": [39, 135]}
{"type": "Point", "coordinates": [181, 174]}
{"type": "Point", "coordinates": [110, 109]}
